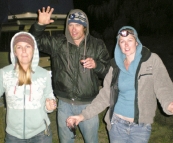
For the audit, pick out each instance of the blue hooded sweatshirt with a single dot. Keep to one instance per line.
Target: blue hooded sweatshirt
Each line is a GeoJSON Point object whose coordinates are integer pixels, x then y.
{"type": "Point", "coordinates": [126, 80]}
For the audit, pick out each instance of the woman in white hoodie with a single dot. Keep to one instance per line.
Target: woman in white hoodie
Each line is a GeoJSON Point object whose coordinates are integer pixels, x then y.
{"type": "Point", "coordinates": [29, 94]}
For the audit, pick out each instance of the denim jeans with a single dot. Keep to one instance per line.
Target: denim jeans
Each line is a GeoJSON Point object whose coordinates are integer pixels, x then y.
{"type": "Point", "coordinates": [88, 128]}
{"type": "Point", "coordinates": [125, 132]}
{"type": "Point", "coordinates": [39, 138]}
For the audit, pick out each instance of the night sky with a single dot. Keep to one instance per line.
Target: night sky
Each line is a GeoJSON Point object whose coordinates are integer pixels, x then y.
{"type": "Point", "coordinates": [151, 18]}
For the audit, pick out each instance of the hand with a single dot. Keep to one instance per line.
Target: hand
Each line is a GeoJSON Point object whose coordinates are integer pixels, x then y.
{"type": "Point", "coordinates": [89, 63]}
{"type": "Point", "coordinates": [74, 120]}
{"type": "Point", "coordinates": [45, 15]}
{"type": "Point", "coordinates": [50, 104]}
{"type": "Point", "coordinates": [170, 107]}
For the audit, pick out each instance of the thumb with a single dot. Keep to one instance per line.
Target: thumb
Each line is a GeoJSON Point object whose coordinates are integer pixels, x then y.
{"type": "Point", "coordinates": [47, 100]}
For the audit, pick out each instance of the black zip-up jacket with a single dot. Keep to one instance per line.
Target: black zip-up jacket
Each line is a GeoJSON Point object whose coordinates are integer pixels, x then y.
{"type": "Point", "coordinates": [71, 84]}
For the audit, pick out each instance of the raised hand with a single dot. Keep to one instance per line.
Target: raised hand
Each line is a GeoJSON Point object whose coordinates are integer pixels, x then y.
{"type": "Point", "coordinates": [44, 16]}
{"type": "Point", "coordinates": [50, 104]}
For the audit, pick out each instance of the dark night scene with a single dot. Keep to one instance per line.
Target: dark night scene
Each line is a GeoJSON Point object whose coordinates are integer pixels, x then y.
{"type": "Point", "coordinates": [152, 19]}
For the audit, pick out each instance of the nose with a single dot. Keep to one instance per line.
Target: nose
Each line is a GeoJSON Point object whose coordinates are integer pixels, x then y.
{"type": "Point", "coordinates": [23, 49]}
{"type": "Point", "coordinates": [73, 28]}
{"type": "Point", "coordinates": [126, 43]}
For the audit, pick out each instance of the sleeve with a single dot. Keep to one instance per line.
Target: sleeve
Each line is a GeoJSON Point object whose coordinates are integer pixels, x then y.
{"type": "Point", "coordinates": [45, 42]}
{"type": "Point", "coordinates": [48, 92]}
{"type": "Point", "coordinates": [103, 60]}
{"type": "Point", "coordinates": [2, 89]}
{"type": "Point", "coordinates": [102, 100]}
{"type": "Point", "coordinates": [163, 85]}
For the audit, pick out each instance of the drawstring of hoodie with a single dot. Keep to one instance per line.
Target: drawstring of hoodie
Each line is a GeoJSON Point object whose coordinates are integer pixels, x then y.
{"type": "Point", "coordinates": [68, 55]}
{"type": "Point", "coordinates": [84, 51]}
{"type": "Point", "coordinates": [15, 87]}
{"type": "Point", "coordinates": [30, 93]}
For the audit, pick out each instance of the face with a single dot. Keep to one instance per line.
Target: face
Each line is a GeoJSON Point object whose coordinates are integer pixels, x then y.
{"type": "Point", "coordinates": [24, 53]}
{"type": "Point", "coordinates": [128, 45]}
{"type": "Point", "coordinates": [77, 32]}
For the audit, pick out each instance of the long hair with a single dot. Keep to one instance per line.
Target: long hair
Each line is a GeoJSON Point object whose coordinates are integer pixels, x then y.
{"type": "Point", "coordinates": [24, 77]}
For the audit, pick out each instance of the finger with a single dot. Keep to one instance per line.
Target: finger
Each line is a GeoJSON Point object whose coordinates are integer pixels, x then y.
{"type": "Point", "coordinates": [43, 9]}
{"type": "Point", "coordinates": [48, 9]}
{"type": "Point", "coordinates": [39, 11]}
{"type": "Point", "coordinates": [51, 21]}
{"type": "Point", "coordinates": [51, 10]}
{"type": "Point", "coordinates": [48, 100]}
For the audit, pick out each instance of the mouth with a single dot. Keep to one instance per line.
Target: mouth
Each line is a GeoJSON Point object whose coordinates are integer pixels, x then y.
{"type": "Point", "coordinates": [127, 50]}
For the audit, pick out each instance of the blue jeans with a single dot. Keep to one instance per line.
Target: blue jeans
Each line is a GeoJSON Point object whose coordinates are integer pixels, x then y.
{"type": "Point", "coordinates": [125, 132]}
{"type": "Point", "coordinates": [39, 138]}
{"type": "Point", "coordinates": [88, 128]}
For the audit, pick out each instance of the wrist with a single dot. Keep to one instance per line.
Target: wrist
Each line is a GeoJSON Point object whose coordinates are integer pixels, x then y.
{"type": "Point", "coordinates": [40, 23]}
{"type": "Point", "coordinates": [47, 110]}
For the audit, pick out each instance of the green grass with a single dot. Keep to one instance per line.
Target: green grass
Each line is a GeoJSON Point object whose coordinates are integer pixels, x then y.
{"type": "Point", "coordinates": [162, 130]}
{"type": "Point", "coordinates": [161, 133]}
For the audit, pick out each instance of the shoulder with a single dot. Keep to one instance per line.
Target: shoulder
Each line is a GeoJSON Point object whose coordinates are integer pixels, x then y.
{"type": "Point", "coordinates": [154, 57]}
{"type": "Point", "coordinates": [113, 63]}
{"type": "Point", "coordinates": [41, 72]}
{"type": "Point", "coordinates": [153, 61]}
{"type": "Point", "coordinates": [8, 68]}
{"type": "Point", "coordinates": [95, 40]}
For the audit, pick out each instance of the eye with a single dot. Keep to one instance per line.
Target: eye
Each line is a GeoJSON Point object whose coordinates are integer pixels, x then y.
{"type": "Point", "coordinates": [121, 42]}
{"type": "Point", "coordinates": [18, 47]}
{"type": "Point", "coordinates": [28, 46]}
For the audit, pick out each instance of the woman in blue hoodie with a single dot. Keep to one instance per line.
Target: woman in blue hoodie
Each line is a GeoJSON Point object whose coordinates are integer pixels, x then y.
{"type": "Point", "coordinates": [28, 92]}
{"type": "Point", "coordinates": [136, 79]}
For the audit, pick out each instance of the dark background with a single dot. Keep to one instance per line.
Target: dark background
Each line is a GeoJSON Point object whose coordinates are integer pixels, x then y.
{"type": "Point", "coordinates": [153, 19]}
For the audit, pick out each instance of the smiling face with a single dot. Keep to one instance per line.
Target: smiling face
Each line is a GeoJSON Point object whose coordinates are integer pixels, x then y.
{"type": "Point", "coordinates": [24, 53]}
{"type": "Point", "coordinates": [77, 32]}
{"type": "Point", "coordinates": [128, 45]}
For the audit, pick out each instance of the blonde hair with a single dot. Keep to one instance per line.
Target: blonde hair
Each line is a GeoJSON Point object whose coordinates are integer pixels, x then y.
{"type": "Point", "coordinates": [24, 77]}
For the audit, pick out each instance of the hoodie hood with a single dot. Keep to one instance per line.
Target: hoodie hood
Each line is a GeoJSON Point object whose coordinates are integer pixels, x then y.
{"type": "Point", "coordinates": [120, 57]}
{"type": "Point", "coordinates": [67, 33]}
{"type": "Point", "coordinates": [35, 59]}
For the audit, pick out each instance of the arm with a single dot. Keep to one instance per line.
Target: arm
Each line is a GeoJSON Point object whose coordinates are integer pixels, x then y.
{"type": "Point", "coordinates": [2, 90]}
{"type": "Point", "coordinates": [44, 42]}
{"type": "Point", "coordinates": [163, 86]}
{"type": "Point", "coordinates": [48, 95]}
{"type": "Point", "coordinates": [102, 62]}
{"type": "Point", "coordinates": [99, 104]}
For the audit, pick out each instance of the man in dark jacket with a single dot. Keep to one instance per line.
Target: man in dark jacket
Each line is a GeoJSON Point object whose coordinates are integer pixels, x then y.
{"type": "Point", "coordinates": [78, 61]}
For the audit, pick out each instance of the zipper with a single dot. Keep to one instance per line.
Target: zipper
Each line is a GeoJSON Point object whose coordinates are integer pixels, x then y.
{"type": "Point", "coordinates": [144, 75]}
{"type": "Point", "coordinates": [24, 111]}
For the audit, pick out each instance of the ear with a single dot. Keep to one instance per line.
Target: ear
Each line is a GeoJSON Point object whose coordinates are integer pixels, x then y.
{"type": "Point", "coordinates": [136, 43]}
{"type": "Point", "coordinates": [15, 53]}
